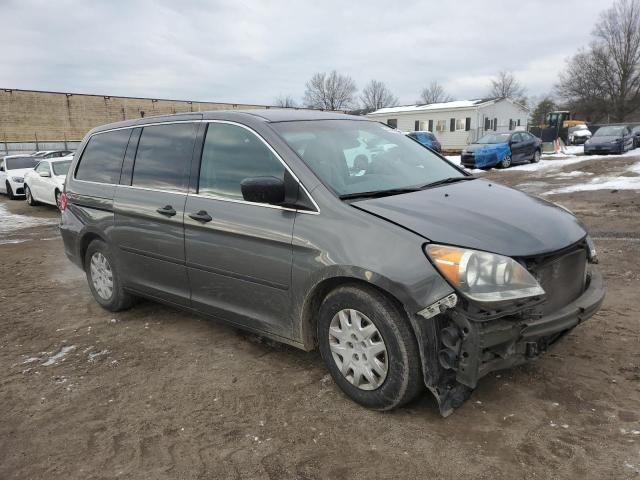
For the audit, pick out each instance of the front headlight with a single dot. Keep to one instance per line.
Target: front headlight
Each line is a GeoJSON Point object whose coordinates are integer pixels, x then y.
{"type": "Point", "coordinates": [18, 179]}
{"type": "Point", "coordinates": [483, 276]}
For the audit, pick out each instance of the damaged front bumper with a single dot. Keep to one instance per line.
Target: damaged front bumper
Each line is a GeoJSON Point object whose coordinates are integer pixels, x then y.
{"type": "Point", "coordinates": [470, 348]}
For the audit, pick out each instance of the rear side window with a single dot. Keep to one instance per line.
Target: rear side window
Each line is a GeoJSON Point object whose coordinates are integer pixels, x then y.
{"type": "Point", "coordinates": [163, 156]}
{"type": "Point", "coordinates": [230, 155]}
{"type": "Point", "coordinates": [102, 157]}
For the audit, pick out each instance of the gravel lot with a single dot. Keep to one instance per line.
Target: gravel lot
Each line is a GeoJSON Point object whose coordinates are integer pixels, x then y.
{"type": "Point", "coordinates": [157, 393]}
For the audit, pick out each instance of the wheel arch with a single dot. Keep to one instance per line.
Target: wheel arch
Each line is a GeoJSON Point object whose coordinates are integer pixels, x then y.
{"type": "Point", "coordinates": [85, 241]}
{"type": "Point", "coordinates": [318, 292]}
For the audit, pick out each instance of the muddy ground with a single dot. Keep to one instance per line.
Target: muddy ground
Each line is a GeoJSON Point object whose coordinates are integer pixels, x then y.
{"type": "Point", "coordinates": [157, 393]}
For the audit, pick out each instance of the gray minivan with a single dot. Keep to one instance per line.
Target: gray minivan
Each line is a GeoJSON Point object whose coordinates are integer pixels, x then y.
{"type": "Point", "coordinates": [330, 231]}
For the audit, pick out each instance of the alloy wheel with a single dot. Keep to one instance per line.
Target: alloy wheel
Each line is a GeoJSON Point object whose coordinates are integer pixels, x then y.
{"type": "Point", "coordinates": [101, 276]}
{"type": "Point", "coordinates": [358, 349]}
{"type": "Point", "coordinates": [506, 162]}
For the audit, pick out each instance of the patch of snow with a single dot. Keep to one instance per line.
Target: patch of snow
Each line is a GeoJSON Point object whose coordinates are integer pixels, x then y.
{"type": "Point", "coordinates": [10, 222]}
{"type": "Point", "coordinates": [58, 357]}
{"type": "Point", "coordinates": [432, 106]}
{"type": "Point", "coordinates": [605, 183]}
{"type": "Point", "coordinates": [94, 356]}
{"type": "Point", "coordinates": [575, 173]}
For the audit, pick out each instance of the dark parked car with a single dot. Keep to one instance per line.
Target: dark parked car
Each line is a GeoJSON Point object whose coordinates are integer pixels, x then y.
{"type": "Point", "coordinates": [427, 139]}
{"type": "Point", "coordinates": [609, 139]}
{"type": "Point", "coordinates": [502, 150]}
{"type": "Point", "coordinates": [404, 272]}
{"type": "Point", "coordinates": [635, 131]}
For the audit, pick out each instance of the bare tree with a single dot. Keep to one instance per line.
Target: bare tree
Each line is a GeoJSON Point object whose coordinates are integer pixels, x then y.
{"type": "Point", "coordinates": [376, 95]}
{"type": "Point", "coordinates": [330, 92]}
{"type": "Point", "coordinates": [285, 101]}
{"type": "Point", "coordinates": [603, 81]}
{"type": "Point", "coordinates": [434, 93]}
{"type": "Point", "coordinates": [505, 85]}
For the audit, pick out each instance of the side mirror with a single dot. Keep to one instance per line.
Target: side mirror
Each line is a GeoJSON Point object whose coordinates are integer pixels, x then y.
{"type": "Point", "coordinates": [45, 174]}
{"type": "Point", "coordinates": [263, 190]}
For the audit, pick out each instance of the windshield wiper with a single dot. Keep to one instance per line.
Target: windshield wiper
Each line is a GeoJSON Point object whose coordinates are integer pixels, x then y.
{"type": "Point", "coordinates": [398, 191]}
{"type": "Point", "coordinates": [447, 180]}
{"type": "Point", "coordinates": [379, 193]}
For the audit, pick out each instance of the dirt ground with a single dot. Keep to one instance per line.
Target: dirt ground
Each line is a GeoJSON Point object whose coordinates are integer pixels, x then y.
{"type": "Point", "coordinates": [157, 393]}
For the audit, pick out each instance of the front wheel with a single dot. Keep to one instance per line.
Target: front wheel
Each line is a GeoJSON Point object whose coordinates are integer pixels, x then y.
{"type": "Point", "coordinates": [103, 278]}
{"type": "Point", "coordinates": [30, 200]}
{"type": "Point", "coordinates": [506, 162]}
{"type": "Point", "coordinates": [10, 192]}
{"type": "Point", "coordinates": [368, 346]}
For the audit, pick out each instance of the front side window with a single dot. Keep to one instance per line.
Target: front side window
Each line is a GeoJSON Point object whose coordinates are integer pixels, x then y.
{"type": "Point", "coordinates": [61, 168]}
{"type": "Point", "coordinates": [353, 157]}
{"type": "Point", "coordinates": [163, 157]}
{"type": "Point", "coordinates": [232, 153]}
{"type": "Point", "coordinates": [42, 167]}
{"type": "Point", "coordinates": [102, 158]}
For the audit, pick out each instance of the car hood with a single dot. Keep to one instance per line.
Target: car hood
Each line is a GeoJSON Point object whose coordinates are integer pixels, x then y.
{"type": "Point", "coordinates": [604, 139]}
{"type": "Point", "coordinates": [481, 215]}
{"type": "Point", "coordinates": [18, 172]}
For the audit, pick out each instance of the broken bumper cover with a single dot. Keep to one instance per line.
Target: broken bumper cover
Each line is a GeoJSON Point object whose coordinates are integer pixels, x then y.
{"type": "Point", "coordinates": [471, 348]}
{"type": "Point", "coordinates": [506, 342]}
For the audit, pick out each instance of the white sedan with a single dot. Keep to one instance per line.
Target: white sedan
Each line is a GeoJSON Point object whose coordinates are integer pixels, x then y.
{"type": "Point", "coordinates": [45, 183]}
{"type": "Point", "coordinates": [12, 171]}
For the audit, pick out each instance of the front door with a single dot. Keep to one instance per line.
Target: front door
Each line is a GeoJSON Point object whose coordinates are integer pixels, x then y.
{"type": "Point", "coordinates": [518, 148]}
{"type": "Point", "coordinates": [238, 254]}
{"type": "Point", "coordinates": [149, 213]}
{"type": "Point", "coordinates": [38, 182]}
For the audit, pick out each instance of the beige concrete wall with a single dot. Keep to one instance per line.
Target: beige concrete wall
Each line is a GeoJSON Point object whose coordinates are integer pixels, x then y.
{"type": "Point", "coordinates": [26, 115]}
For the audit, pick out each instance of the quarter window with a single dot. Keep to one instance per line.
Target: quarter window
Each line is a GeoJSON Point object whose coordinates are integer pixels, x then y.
{"type": "Point", "coordinates": [102, 157]}
{"type": "Point", "coordinates": [231, 154]}
{"type": "Point", "coordinates": [163, 156]}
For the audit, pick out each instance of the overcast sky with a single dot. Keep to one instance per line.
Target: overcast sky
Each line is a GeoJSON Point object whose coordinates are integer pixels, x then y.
{"type": "Point", "coordinates": [245, 51]}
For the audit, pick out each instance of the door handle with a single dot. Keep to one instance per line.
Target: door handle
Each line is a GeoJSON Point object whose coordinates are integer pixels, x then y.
{"type": "Point", "coordinates": [167, 210]}
{"type": "Point", "coordinates": [201, 216]}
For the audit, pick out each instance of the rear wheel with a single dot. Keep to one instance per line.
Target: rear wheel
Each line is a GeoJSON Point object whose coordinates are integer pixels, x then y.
{"type": "Point", "coordinates": [103, 278]}
{"type": "Point", "coordinates": [30, 200]}
{"type": "Point", "coordinates": [536, 156]}
{"type": "Point", "coordinates": [368, 346]}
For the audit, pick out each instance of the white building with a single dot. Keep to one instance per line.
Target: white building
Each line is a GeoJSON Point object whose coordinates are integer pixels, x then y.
{"type": "Point", "coordinates": [456, 124]}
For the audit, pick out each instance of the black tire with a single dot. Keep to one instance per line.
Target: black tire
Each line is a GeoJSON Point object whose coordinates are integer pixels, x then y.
{"type": "Point", "coordinates": [10, 192]}
{"type": "Point", "coordinates": [403, 381]}
{"type": "Point", "coordinates": [29, 196]}
{"type": "Point", "coordinates": [536, 156]}
{"type": "Point", "coordinates": [119, 299]}
{"type": "Point", "coordinates": [506, 162]}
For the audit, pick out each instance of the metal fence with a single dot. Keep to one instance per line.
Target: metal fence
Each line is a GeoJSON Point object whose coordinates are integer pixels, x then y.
{"type": "Point", "coordinates": [14, 148]}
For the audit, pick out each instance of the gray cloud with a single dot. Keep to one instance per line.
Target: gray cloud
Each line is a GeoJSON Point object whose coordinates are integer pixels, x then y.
{"type": "Point", "coordinates": [250, 52]}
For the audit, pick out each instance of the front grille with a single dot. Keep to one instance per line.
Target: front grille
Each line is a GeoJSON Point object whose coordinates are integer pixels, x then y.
{"type": "Point", "coordinates": [563, 279]}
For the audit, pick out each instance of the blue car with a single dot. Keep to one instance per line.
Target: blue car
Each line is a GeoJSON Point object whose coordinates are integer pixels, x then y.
{"type": "Point", "coordinates": [427, 139]}
{"type": "Point", "coordinates": [502, 150]}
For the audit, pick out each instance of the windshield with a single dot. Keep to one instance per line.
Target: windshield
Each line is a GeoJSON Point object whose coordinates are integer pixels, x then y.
{"type": "Point", "coordinates": [61, 168]}
{"type": "Point", "coordinates": [352, 157]}
{"type": "Point", "coordinates": [21, 162]}
{"type": "Point", "coordinates": [608, 131]}
{"type": "Point", "coordinates": [495, 138]}
{"type": "Point", "coordinates": [578, 128]}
